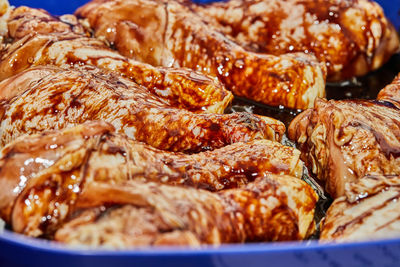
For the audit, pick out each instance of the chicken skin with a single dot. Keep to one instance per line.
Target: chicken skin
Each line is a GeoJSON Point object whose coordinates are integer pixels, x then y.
{"type": "Point", "coordinates": [68, 167]}
{"type": "Point", "coordinates": [33, 37]}
{"type": "Point", "coordinates": [351, 37]}
{"type": "Point", "coordinates": [167, 33]}
{"type": "Point", "coordinates": [368, 210]}
{"type": "Point", "coordinates": [342, 141]}
{"type": "Point", "coordinates": [45, 98]}
{"type": "Point", "coordinates": [272, 208]}
{"type": "Point", "coordinates": [391, 92]}
{"type": "Point", "coordinates": [100, 153]}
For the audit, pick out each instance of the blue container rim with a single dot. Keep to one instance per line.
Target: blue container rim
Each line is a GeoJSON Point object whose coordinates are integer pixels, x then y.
{"type": "Point", "coordinates": [46, 246]}
{"type": "Point", "coordinates": [17, 242]}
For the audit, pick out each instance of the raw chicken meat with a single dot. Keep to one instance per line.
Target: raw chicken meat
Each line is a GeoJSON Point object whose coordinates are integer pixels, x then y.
{"type": "Point", "coordinates": [168, 33]}
{"type": "Point", "coordinates": [272, 208]}
{"type": "Point", "coordinates": [45, 98]}
{"type": "Point", "coordinates": [342, 141]}
{"type": "Point", "coordinates": [50, 177]}
{"type": "Point", "coordinates": [351, 37]}
{"type": "Point", "coordinates": [93, 151]}
{"type": "Point", "coordinates": [369, 209]}
{"type": "Point", "coordinates": [33, 37]}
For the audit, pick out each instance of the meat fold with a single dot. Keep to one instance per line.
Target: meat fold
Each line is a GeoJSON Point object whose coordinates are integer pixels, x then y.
{"type": "Point", "coordinates": [368, 210]}
{"type": "Point", "coordinates": [50, 178]}
{"type": "Point", "coordinates": [391, 92]}
{"type": "Point", "coordinates": [168, 33]}
{"type": "Point", "coordinates": [351, 37]}
{"type": "Point", "coordinates": [33, 37]}
{"type": "Point", "coordinates": [53, 98]}
{"type": "Point", "coordinates": [272, 208]}
{"type": "Point", "coordinates": [342, 141]}
{"type": "Point", "coordinates": [95, 152]}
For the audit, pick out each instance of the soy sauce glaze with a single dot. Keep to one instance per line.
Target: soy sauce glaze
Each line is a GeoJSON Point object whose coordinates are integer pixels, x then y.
{"type": "Point", "coordinates": [366, 87]}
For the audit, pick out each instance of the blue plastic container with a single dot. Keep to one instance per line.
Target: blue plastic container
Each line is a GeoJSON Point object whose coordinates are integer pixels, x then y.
{"type": "Point", "coordinates": [18, 251]}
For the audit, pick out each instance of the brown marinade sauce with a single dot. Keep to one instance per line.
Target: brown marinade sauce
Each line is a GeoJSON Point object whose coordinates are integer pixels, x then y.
{"type": "Point", "coordinates": [366, 87]}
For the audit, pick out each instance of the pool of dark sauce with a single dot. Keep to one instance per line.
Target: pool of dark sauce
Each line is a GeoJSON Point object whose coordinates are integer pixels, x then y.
{"type": "Point", "coordinates": [366, 87]}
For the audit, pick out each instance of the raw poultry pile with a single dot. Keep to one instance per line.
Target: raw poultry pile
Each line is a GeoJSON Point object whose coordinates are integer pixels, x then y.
{"type": "Point", "coordinates": [113, 131]}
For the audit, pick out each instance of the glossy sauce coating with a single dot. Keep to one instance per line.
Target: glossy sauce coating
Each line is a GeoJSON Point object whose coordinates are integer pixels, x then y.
{"type": "Point", "coordinates": [367, 211]}
{"type": "Point", "coordinates": [170, 34]}
{"type": "Point", "coordinates": [342, 141]}
{"type": "Point", "coordinates": [351, 37]}
{"type": "Point", "coordinates": [60, 98]}
{"type": "Point", "coordinates": [42, 175]}
{"type": "Point", "coordinates": [391, 93]}
{"type": "Point", "coordinates": [38, 38]}
{"type": "Point", "coordinates": [270, 208]}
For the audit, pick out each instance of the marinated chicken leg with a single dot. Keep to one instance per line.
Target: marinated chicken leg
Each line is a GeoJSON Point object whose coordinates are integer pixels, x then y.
{"type": "Point", "coordinates": [41, 39]}
{"type": "Point", "coordinates": [271, 208]}
{"type": "Point", "coordinates": [52, 98]}
{"type": "Point", "coordinates": [368, 210]}
{"type": "Point", "coordinates": [167, 33]}
{"type": "Point", "coordinates": [94, 152]}
{"type": "Point", "coordinates": [342, 141]}
{"type": "Point", "coordinates": [351, 37]}
{"type": "Point", "coordinates": [53, 175]}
